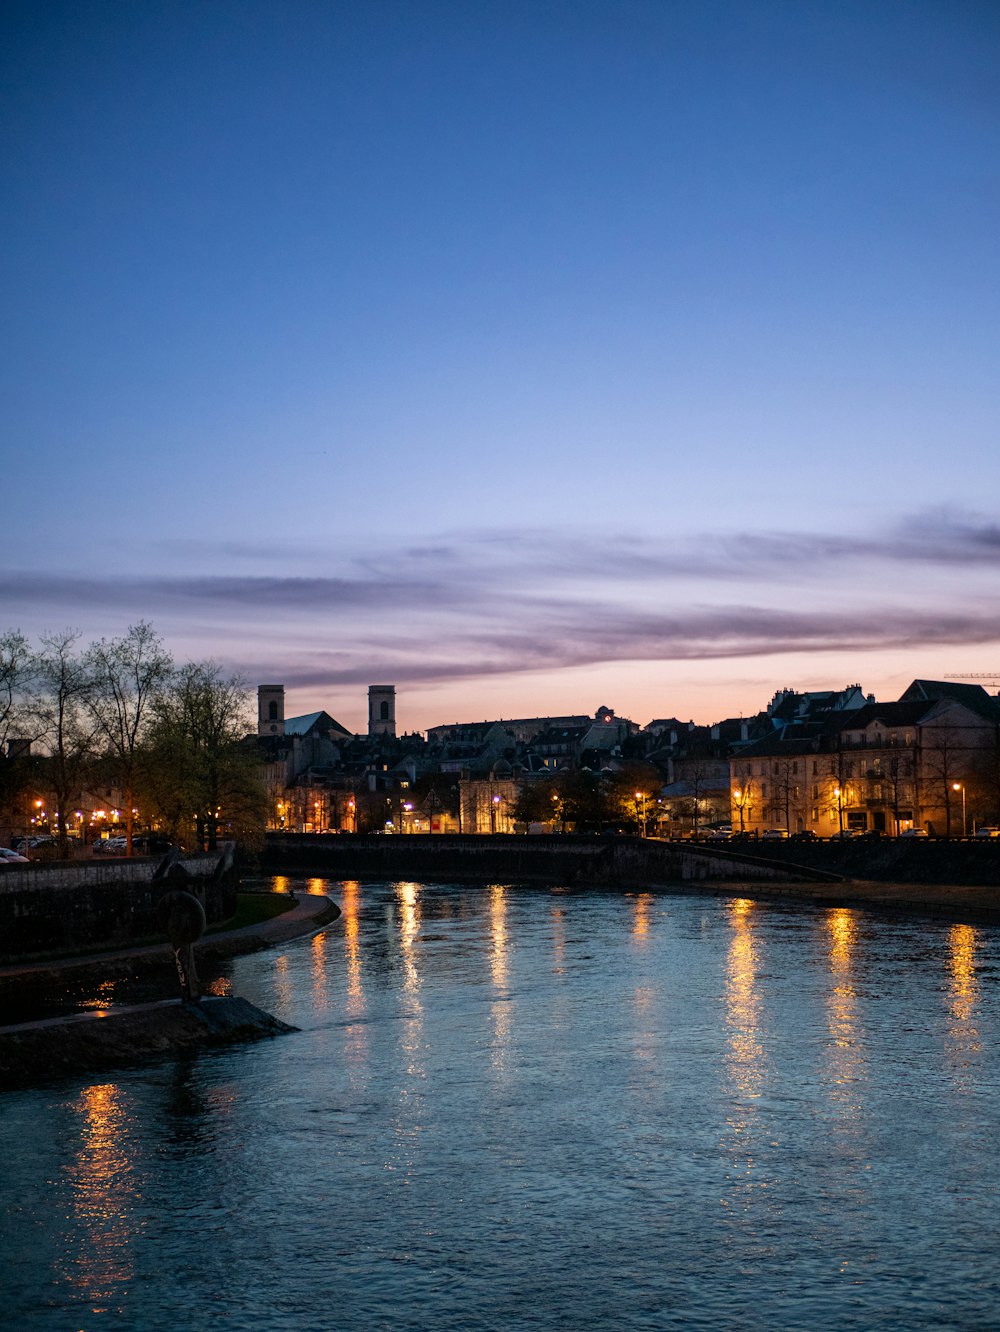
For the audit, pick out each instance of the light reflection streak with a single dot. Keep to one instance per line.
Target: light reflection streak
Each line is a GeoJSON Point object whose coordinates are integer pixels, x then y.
{"type": "Point", "coordinates": [281, 884]}
{"type": "Point", "coordinates": [408, 900]}
{"type": "Point", "coordinates": [746, 1055]}
{"type": "Point", "coordinates": [501, 1007]}
{"type": "Point", "coordinates": [640, 915]}
{"type": "Point", "coordinates": [558, 915]}
{"type": "Point", "coordinates": [356, 1032]}
{"type": "Point", "coordinates": [963, 1034]}
{"type": "Point", "coordinates": [321, 996]}
{"type": "Point", "coordinates": [317, 887]}
{"type": "Point", "coordinates": [844, 1050]}
{"type": "Point", "coordinates": [103, 997]}
{"type": "Point", "coordinates": [745, 1064]}
{"type": "Point", "coordinates": [101, 1180]}
{"type": "Point", "coordinates": [283, 982]}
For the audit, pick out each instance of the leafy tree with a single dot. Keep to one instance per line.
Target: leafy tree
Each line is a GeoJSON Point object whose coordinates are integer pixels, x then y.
{"type": "Point", "coordinates": [621, 786]}
{"type": "Point", "coordinates": [127, 674]}
{"type": "Point", "coordinates": [199, 773]}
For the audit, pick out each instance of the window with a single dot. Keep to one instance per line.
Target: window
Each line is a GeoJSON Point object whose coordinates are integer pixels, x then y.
{"type": "Point", "coordinates": [272, 711]}
{"type": "Point", "coordinates": [384, 712]}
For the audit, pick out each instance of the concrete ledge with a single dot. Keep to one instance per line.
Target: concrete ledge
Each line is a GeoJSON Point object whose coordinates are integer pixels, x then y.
{"type": "Point", "coordinates": [88, 1042]}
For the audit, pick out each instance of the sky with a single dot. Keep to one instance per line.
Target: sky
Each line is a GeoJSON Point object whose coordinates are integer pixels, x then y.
{"type": "Point", "coordinates": [531, 357]}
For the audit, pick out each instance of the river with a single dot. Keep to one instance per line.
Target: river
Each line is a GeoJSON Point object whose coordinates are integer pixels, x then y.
{"type": "Point", "coordinates": [508, 1108]}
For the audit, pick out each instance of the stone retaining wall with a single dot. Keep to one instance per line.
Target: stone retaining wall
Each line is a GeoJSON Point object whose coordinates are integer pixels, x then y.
{"type": "Point", "coordinates": [65, 908]}
{"type": "Point", "coordinates": [555, 859]}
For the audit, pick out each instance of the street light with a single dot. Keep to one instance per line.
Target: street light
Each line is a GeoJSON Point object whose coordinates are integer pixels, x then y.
{"type": "Point", "coordinates": [494, 812]}
{"type": "Point", "coordinates": [641, 795]}
{"type": "Point", "coordinates": [960, 786]}
{"type": "Point", "coordinates": [840, 808]}
{"type": "Point", "coordinates": [738, 797]}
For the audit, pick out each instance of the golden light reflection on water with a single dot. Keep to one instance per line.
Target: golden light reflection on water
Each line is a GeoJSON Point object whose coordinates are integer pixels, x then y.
{"type": "Point", "coordinates": [641, 905]}
{"type": "Point", "coordinates": [746, 1055]}
{"type": "Point", "coordinates": [281, 884]}
{"type": "Point", "coordinates": [317, 887]}
{"type": "Point", "coordinates": [963, 1034]}
{"type": "Point", "coordinates": [102, 997]}
{"type": "Point", "coordinates": [317, 960]}
{"type": "Point", "coordinates": [501, 1008]}
{"type": "Point", "coordinates": [745, 1063]}
{"type": "Point", "coordinates": [102, 1188]}
{"type": "Point", "coordinates": [283, 982]}
{"type": "Point", "coordinates": [844, 1052]}
{"type": "Point", "coordinates": [219, 987]}
{"type": "Point", "coordinates": [558, 915]}
{"type": "Point", "coordinates": [349, 906]}
{"type": "Point", "coordinates": [408, 904]}
{"type": "Point", "coordinates": [356, 1033]}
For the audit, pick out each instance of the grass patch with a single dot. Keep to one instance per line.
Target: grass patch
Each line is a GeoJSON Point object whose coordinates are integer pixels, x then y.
{"type": "Point", "coordinates": [252, 908]}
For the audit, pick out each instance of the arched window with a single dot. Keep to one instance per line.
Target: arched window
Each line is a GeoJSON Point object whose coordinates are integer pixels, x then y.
{"type": "Point", "coordinates": [384, 712]}
{"type": "Point", "coordinates": [272, 711]}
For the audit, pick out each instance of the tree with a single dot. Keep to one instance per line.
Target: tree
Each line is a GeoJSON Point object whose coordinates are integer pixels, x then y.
{"type": "Point", "coordinates": [631, 791]}
{"type": "Point", "coordinates": [199, 772]}
{"type": "Point", "coordinates": [62, 687]}
{"type": "Point", "coordinates": [126, 675]}
{"type": "Point", "coordinates": [537, 801]}
{"type": "Point", "coordinates": [15, 722]}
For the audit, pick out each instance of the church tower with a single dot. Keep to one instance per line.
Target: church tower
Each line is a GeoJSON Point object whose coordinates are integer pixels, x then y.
{"type": "Point", "coordinates": [270, 709]}
{"type": "Point", "coordinates": [382, 710]}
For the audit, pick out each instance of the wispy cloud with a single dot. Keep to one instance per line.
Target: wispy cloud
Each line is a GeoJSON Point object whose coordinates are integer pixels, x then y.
{"type": "Point", "coordinates": [468, 605]}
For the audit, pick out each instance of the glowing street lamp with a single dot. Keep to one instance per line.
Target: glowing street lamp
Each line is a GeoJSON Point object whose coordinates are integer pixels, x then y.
{"type": "Point", "coordinates": [640, 801]}
{"type": "Point", "coordinates": [960, 786]}
{"type": "Point", "coordinates": [740, 802]}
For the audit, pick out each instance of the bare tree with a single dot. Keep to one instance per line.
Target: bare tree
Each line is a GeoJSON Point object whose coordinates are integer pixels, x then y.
{"type": "Point", "coordinates": [15, 721]}
{"type": "Point", "coordinates": [126, 674]}
{"type": "Point", "coordinates": [62, 687]}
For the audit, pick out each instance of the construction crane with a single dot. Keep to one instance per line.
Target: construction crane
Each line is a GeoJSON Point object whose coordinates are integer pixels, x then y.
{"type": "Point", "coordinates": [992, 676]}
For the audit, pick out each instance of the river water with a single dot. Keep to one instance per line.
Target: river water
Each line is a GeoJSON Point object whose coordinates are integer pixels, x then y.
{"type": "Point", "coordinates": [509, 1108]}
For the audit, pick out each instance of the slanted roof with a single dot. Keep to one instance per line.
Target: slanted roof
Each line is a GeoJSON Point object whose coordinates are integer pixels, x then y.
{"type": "Point", "coordinates": [313, 721]}
{"type": "Point", "coordinates": [972, 696]}
{"type": "Point", "coordinates": [889, 714]}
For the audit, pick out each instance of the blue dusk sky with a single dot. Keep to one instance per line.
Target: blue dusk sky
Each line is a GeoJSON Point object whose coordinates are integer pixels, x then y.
{"type": "Point", "coordinates": [528, 356]}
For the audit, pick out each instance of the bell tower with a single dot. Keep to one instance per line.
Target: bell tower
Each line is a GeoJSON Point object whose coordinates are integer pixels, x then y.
{"type": "Point", "coordinates": [382, 710]}
{"type": "Point", "coordinates": [270, 709]}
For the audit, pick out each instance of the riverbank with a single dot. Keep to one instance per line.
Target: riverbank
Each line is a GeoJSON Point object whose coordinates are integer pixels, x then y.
{"type": "Point", "coordinates": [309, 913]}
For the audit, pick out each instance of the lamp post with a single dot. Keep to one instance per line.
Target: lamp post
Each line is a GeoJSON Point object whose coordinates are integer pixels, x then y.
{"type": "Point", "coordinates": [960, 786]}
{"type": "Point", "coordinates": [738, 797]}
{"type": "Point", "coordinates": [840, 808]}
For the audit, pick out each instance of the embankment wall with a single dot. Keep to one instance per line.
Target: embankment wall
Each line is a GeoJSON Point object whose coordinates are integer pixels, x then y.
{"type": "Point", "coordinates": [71, 907]}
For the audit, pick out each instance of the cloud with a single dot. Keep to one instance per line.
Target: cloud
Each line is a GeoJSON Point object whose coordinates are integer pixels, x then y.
{"type": "Point", "coordinates": [508, 602]}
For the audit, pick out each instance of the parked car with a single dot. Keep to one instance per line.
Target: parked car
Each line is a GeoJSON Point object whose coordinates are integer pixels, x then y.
{"type": "Point", "coordinates": [110, 846]}
{"type": "Point", "coordinates": [774, 834]}
{"type": "Point", "coordinates": [10, 857]}
{"type": "Point", "coordinates": [987, 832]}
{"type": "Point", "coordinates": [806, 835]}
{"type": "Point", "coordinates": [150, 844]}
{"type": "Point", "coordinates": [843, 834]}
{"type": "Point", "coordinates": [914, 832]}
{"type": "Point", "coordinates": [718, 835]}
